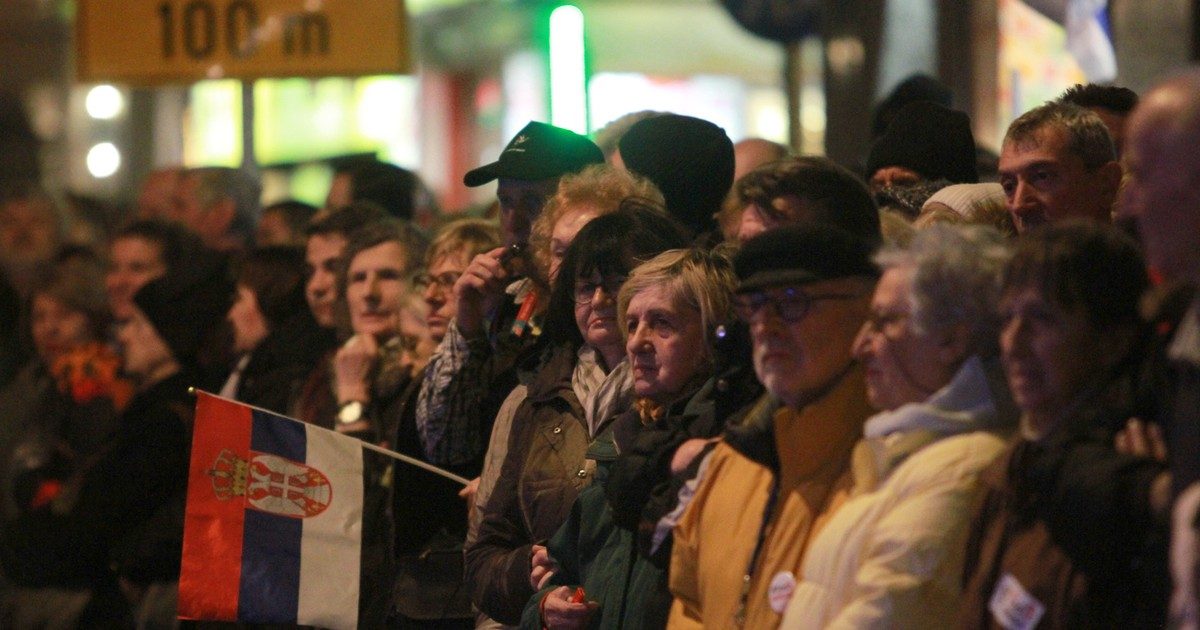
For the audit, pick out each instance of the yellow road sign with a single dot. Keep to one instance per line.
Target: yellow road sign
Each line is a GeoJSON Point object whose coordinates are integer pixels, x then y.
{"type": "Point", "coordinates": [164, 41]}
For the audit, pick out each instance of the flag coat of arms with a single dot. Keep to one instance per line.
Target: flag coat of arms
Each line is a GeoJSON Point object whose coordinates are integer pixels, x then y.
{"type": "Point", "coordinates": [274, 526]}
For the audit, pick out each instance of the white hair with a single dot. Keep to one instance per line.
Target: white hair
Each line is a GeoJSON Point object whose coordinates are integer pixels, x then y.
{"type": "Point", "coordinates": [956, 280]}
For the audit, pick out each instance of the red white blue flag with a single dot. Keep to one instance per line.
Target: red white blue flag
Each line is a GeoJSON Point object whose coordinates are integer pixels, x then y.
{"type": "Point", "coordinates": [274, 525]}
{"type": "Point", "coordinates": [1089, 39]}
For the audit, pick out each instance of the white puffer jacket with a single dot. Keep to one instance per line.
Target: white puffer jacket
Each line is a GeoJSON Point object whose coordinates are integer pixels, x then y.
{"type": "Point", "coordinates": [892, 555]}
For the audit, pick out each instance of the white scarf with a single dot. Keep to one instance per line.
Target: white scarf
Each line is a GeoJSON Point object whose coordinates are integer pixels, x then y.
{"type": "Point", "coordinates": [601, 395]}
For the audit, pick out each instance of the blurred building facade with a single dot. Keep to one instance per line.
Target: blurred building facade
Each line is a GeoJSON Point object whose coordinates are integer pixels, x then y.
{"type": "Point", "coordinates": [484, 68]}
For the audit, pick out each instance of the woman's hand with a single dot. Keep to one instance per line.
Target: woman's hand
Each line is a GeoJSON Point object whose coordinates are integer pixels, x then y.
{"type": "Point", "coordinates": [560, 612]}
{"type": "Point", "coordinates": [468, 494]}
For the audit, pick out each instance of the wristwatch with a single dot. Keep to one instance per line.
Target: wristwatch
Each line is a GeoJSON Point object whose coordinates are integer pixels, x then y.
{"type": "Point", "coordinates": [350, 412]}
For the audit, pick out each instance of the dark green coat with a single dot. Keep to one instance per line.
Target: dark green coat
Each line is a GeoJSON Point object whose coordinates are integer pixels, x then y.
{"type": "Point", "coordinates": [590, 544]}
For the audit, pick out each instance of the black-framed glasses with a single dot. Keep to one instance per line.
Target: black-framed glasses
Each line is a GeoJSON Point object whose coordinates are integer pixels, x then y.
{"type": "Point", "coordinates": [585, 290]}
{"type": "Point", "coordinates": [791, 304]}
{"type": "Point", "coordinates": [442, 282]}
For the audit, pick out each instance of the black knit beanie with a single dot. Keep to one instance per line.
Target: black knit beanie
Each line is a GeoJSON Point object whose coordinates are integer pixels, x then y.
{"type": "Point", "coordinates": [932, 140]}
{"type": "Point", "coordinates": [187, 304]}
{"type": "Point", "coordinates": [689, 159]}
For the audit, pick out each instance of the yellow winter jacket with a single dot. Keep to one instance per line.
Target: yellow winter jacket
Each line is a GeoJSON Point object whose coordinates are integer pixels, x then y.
{"type": "Point", "coordinates": [801, 454]}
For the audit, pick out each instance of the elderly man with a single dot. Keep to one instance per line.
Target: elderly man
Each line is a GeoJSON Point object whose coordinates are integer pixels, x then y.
{"type": "Point", "coordinates": [1163, 194]}
{"type": "Point", "coordinates": [767, 486]}
{"type": "Point", "coordinates": [1058, 162]}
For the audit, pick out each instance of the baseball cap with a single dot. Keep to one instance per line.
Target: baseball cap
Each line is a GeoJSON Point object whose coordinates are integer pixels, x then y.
{"type": "Point", "coordinates": [539, 151]}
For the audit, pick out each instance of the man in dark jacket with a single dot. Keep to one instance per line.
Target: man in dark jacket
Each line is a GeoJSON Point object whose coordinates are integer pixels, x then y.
{"type": "Point", "coordinates": [1163, 195]}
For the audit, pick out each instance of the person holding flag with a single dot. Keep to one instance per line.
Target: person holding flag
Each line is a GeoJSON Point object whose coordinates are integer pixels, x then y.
{"type": "Point", "coordinates": [288, 522]}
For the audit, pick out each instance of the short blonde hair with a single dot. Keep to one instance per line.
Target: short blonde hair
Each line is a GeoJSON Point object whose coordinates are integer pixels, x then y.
{"type": "Point", "coordinates": [467, 236]}
{"type": "Point", "coordinates": [696, 278]}
{"type": "Point", "coordinates": [601, 186]}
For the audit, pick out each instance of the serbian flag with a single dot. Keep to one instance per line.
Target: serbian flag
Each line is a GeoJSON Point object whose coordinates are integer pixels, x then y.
{"type": "Point", "coordinates": [274, 529]}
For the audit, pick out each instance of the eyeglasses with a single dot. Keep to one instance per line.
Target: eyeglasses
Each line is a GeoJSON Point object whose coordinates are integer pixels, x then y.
{"type": "Point", "coordinates": [442, 282]}
{"type": "Point", "coordinates": [791, 304]}
{"type": "Point", "coordinates": [585, 291]}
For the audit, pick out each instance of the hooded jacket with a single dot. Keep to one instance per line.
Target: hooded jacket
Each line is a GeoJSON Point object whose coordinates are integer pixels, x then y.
{"type": "Point", "coordinates": [893, 554]}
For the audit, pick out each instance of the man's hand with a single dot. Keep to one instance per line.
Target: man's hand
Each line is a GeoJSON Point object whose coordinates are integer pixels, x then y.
{"type": "Point", "coordinates": [560, 612]}
{"type": "Point", "coordinates": [1141, 439]}
{"type": "Point", "coordinates": [352, 367]}
{"type": "Point", "coordinates": [479, 290]}
{"type": "Point", "coordinates": [685, 453]}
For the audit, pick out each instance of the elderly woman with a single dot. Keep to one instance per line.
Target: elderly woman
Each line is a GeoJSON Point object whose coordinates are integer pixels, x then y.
{"type": "Point", "coordinates": [452, 249]}
{"type": "Point", "coordinates": [673, 307]}
{"type": "Point", "coordinates": [596, 190]}
{"type": "Point", "coordinates": [454, 245]}
{"type": "Point", "coordinates": [892, 554]}
{"type": "Point", "coordinates": [1069, 532]}
{"type": "Point", "coordinates": [582, 383]}
{"type": "Point", "coordinates": [273, 329]}
{"type": "Point", "coordinates": [429, 584]}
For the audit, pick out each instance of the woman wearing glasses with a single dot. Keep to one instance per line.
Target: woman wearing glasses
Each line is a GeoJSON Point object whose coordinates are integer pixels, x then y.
{"type": "Point", "coordinates": [581, 385]}
{"type": "Point", "coordinates": [430, 520]}
{"type": "Point", "coordinates": [452, 249]}
{"type": "Point", "coordinates": [893, 553]}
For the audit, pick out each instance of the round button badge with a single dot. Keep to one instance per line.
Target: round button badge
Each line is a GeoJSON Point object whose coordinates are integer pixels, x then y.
{"type": "Point", "coordinates": [780, 590]}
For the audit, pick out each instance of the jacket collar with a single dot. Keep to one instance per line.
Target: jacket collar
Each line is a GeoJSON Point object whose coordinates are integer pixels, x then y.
{"type": "Point", "coordinates": [553, 376]}
{"type": "Point", "coordinates": [976, 398]}
{"type": "Point", "coordinates": [844, 404]}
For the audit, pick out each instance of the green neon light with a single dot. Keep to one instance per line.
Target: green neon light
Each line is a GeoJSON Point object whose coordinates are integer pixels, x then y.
{"type": "Point", "coordinates": [568, 83]}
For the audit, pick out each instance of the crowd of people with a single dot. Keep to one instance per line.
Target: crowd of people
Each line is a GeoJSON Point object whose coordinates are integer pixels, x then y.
{"type": "Point", "coordinates": [694, 384]}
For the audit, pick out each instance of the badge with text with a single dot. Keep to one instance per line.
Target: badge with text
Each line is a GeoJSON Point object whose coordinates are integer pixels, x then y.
{"type": "Point", "coordinates": [780, 590]}
{"type": "Point", "coordinates": [1013, 607]}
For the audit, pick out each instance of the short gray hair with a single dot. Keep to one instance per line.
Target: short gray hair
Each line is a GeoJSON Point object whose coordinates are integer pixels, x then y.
{"type": "Point", "coordinates": [956, 280]}
{"type": "Point", "coordinates": [1087, 137]}
{"type": "Point", "coordinates": [221, 182]}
